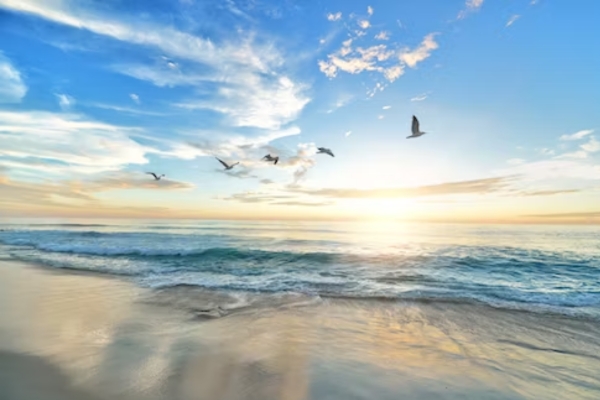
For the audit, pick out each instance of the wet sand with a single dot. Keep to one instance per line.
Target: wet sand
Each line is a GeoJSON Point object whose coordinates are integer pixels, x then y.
{"type": "Point", "coordinates": [82, 336]}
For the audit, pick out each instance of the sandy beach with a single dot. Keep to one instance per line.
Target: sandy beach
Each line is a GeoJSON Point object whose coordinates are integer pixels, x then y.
{"type": "Point", "coordinates": [85, 336]}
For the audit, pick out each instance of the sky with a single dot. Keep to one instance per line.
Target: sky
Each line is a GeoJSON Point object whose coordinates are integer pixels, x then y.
{"type": "Point", "coordinates": [95, 94]}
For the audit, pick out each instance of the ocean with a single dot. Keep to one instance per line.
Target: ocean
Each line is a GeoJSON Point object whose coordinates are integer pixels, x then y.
{"type": "Point", "coordinates": [537, 269]}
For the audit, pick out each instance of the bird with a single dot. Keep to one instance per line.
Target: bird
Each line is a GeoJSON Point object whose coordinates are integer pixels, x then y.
{"type": "Point", "coordinates": [156, 177]}
{"type": "Point", "coordinates": [415, 129]}
{"type": "Point", "coordinates": [227, 166]}
{"type": "Point", "coordinates": [270, 158]}
{"type": "Point", "coordinates": [324, 151]}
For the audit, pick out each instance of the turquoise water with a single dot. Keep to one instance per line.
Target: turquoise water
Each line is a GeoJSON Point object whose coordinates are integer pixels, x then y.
{"type": "Point", "coordinates": [553, 269]}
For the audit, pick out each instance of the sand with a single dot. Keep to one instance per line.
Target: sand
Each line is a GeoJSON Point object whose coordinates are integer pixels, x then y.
{"type": "Point", "coordinates": [82, 336]}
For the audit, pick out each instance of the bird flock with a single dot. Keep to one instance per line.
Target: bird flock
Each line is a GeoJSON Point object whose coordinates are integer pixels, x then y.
{"type": "Point", "coordinates": [415, 133]}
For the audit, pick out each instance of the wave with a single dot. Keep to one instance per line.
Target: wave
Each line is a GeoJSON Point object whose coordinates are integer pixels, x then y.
{"type": "Point", "coordinates": [330, 267]}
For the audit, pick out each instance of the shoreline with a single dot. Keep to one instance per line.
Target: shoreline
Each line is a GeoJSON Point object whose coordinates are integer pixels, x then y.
{"type": "Point", "coordinates": [111, 339]}
{"type": "Point", "coordinates": [591, 315]}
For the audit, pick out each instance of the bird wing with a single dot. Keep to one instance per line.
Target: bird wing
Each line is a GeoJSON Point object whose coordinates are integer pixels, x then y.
{"type": "Point", "coordinates": [268, 156]}
{"type": "Point", "coordinates": [153, 174]}
{"type": "Point", "coordinates": [330, 153]}
{"type": "Point", "coordinates": [222, 162]}
{"type": "Point", "coordinates": [276, 160]}
{"type": "Point", "coordinates": [415, 125]}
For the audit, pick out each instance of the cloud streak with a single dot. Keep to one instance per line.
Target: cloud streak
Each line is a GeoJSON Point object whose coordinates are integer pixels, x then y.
{"type": "Point", "coordinates": [251, 88]}
{"type": "Point", "coordinates": [577, 135]}
{"type": "Point", "coordinates": [12, 87]}
{"type": "Point", "coordinates": [479, 186]}
{"type": "Point", "coordinates": [470, 7]}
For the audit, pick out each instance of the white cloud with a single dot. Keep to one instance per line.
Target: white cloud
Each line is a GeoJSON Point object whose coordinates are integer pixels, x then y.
{"type": "Point", "coordinates": [412, 58]}
{"type": "Point", "coordinates": [125, 110]}
{"type": "Point", "coordinates": [364, 24]}
{"type": "Point", "coordinates": [68, 141]}
{"type": "Point", "coordinates": [334, 17]}
{"type": "Point", "coordinates": [592, 146]}
{"type": "Point", "coordinates": [12, 88]}
{"type": "Point", "coordinates": [420, 97]}
{"type": "Point", "coordinates": [512, 20]}
{"type": "Point", "coordinates": [574, 154]}
{"type": "Point", "coordinates": [370, 10]}
{"type": "Point", "coordinates": [546, 151]}
{"type": "Point", "coordinates": [554, 169]}
{"type": "Point", "coordinates": [577, 135]}
{"type": "Point", "coordinates": [342, 101]}
{"type": "Point", "coordinates": [515, 161]}
{"type": "Point", "coordinates": [348, 133]}
{"type": "Point", "coordinates": [256, 103]}
{"type": "Point", "coordinates": [386, 107]}
{"type": "Point", "coordinates": [385, 59]}
{"type": "Point", "coordinates": [244, 71]}
{"type": "Point", "coordinates": [383, 35]}
{"type": "Point", "coordinates": [376, 58]}
{"type": "Point", "coordinates": [65, 101]}
{"type": "Point", "coordinates": [470, 6]}
{"type": "Point", "coordinates": [380, 117]}
{"type": "Point", "coordinates": [135, 98]}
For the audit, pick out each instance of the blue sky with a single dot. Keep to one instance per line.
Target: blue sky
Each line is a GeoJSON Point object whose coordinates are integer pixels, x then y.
{"type": "Point", "coordinates": [93, 94]}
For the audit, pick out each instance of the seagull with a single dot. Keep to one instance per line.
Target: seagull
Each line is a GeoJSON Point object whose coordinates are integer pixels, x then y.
{"type": "Point", "coordinates": [325, 151]}
{"type": "Point", "coordinates": [269, 158]}
{"type": "Point", "coordinates": [156, 177]}
{"type": "Point", "coordinates": [227, 166]}
{"type": "Point", "coordinates": [415, 129]}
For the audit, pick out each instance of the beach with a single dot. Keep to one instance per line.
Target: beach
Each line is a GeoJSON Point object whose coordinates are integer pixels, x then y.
{"type": "Point", "coordinates": [72, 335]}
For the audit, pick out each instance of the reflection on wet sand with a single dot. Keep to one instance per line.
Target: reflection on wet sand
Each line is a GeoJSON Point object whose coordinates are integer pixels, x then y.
{"type": "Point", "coordinates": [105, 339]}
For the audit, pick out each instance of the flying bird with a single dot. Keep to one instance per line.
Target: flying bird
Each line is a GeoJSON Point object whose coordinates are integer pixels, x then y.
{"type": "Point", "coordinates": [227, 166]}
{"type": "Point", "coordinates": [270, 158]}
{"type": "Point", "coordinates": [415, 129]}
{"type": "Point", "coordinates": [324, 151]}
{"type": "Point", "coordinates": [156, 177]}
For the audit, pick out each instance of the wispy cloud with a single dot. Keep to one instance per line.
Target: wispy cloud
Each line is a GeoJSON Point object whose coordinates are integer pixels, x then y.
{"type": "Point", "coordinates": [386, 107]}
{"type": "Point", "coordinates": [512, 20]}
{"type": "Point", "coordinates": [69, 194]}
{"type": "Point", "coordinates": [383, 35]}
{"type": "Point", "coordinates": [342, 101]}
{"type": "Point", "coordinates": [470, 6]}
{"type": "Point", "coordinates": [251, 88]}
{"type": "Point", "coordinates": [546, 151]}
{"type": "Point", "coordinates": [364, 23]}
{"type": "Point", "coordinates": [421, 53]}
{"type": "Point", "coordinates": [577, 135]}
{"type": "Point", "coordinates": [348, 133]}
{"type": "Point", "coordinates": [65, 101]}
{"type": "Point", "coordinates": [12, 87]}
{"type": "Point", "coordinates": [571, 215]}
{"type": "Point", "coordinates": [515, 161]}
{"type": "Point", "coordinates": [478, 186]}
{"type": "Point", "coordinates": [276, 199]}
{"type": "Point", "coordinates": [550, 192]}
{"type": "Point", "coordinates": [420, 97]}
{"type": "Point", "coordinates": [591, 146]}
{"type": "Point", "coordinates": [135, 98]}
{"type": "Point", "coordinates": [49, 138]}
{"type": "Point", "coordinates": [379, 58]}
{"type": "Point", "coordinates": [334, 16]}
{"type": "Point", "coordinates": [370, 10]}
{"type": "Point", "coordinates": [125, 110]}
